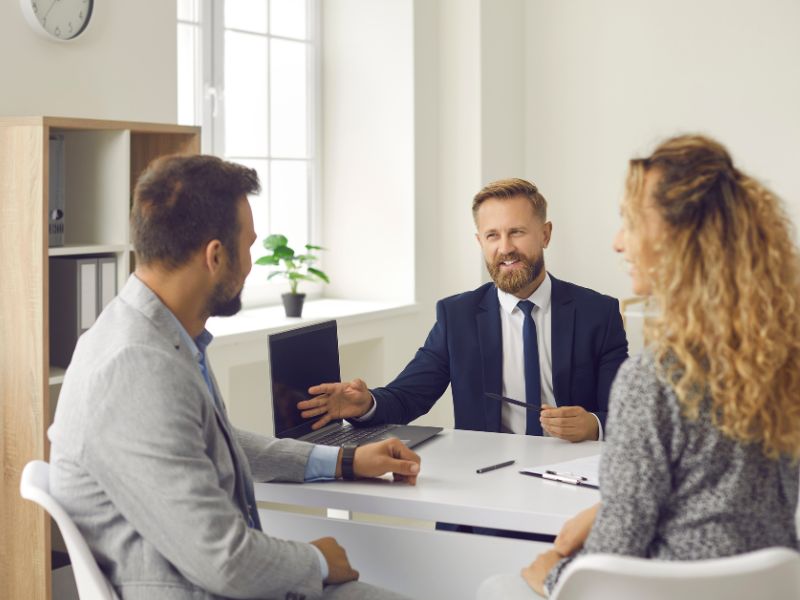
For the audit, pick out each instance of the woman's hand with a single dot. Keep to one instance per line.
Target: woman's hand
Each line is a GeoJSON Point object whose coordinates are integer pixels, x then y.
{"type": "Point", "coordinates": [535, 573]}
{"type": "Point", "coordinates": [575, 531]}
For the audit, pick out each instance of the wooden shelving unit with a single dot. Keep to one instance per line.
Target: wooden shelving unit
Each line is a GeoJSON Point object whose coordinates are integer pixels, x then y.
{"type": "Point", "coordinates": [103, 161]}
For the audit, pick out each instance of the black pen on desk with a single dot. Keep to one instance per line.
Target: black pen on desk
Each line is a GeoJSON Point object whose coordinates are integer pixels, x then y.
{"type": "Point", "coordinates": [508, 463]}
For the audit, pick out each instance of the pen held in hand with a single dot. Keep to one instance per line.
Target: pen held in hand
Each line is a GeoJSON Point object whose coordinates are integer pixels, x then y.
{"type": "Point", "coordinates": [525, 405]}
{"type": "Point", "coordinates": [508, 463]}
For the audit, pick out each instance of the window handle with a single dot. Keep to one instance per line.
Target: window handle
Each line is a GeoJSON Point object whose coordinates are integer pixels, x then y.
{"type": "Point", "coordinates": [214, 95]}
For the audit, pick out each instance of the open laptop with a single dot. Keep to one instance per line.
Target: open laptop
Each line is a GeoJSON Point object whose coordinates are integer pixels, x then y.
{"type": "Point", "coordinates": [308, 356]}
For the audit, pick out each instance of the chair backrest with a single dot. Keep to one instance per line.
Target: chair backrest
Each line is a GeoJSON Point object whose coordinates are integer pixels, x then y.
{"type": "Point", "coordinates": [768, 574]}
{"type": "Point", "coordinates": [35, 486]}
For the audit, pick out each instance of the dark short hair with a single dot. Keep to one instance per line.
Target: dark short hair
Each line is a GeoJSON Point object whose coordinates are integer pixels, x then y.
{"type": "Point", "coordinates": [183, 202]}
{"type": "Point", "coordinates": [505, 189]}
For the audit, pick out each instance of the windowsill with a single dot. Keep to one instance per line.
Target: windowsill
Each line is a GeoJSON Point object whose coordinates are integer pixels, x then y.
{"type": "Point", "coordinates": [253, 323]}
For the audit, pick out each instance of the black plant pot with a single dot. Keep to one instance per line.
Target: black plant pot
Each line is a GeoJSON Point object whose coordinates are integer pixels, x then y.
{"type": "Point", "coordinates": [293, 304]}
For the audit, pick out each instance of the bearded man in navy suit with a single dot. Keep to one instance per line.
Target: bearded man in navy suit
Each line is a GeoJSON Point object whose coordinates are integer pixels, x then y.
{"type": "Point", "coordinates": [527, 336]}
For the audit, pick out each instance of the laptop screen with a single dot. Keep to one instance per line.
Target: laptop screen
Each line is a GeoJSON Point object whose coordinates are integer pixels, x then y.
{"type": "Point", "coordinates": [299, 359]}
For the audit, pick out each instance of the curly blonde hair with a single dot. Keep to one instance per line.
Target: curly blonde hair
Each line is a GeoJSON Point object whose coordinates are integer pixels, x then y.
{"type": "Point", "coordinates": [727, 282]}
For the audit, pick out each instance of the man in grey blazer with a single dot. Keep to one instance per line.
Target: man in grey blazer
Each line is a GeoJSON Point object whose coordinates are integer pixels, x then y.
{"type": "Point", "coordinates": [143, 455]}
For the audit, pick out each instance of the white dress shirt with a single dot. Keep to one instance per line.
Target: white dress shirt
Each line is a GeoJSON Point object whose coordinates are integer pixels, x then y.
{"type": "Point", "coordinates": [513, 419]}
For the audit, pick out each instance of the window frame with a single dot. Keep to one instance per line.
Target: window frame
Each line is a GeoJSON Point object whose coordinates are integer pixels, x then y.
{"type": "Point", "coordinates": [209, 94]}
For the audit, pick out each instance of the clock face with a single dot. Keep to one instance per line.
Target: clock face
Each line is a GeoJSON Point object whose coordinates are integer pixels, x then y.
{"type": "Point", "coordinates": [60, 19]}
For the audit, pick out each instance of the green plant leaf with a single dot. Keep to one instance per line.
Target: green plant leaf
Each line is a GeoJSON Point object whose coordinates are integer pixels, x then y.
{"type": "Point", "coordinates": [284, 252]}
{"type": "Point", "coordinates": [319, 274]}
{"type": "Point", "coordinates": [296, 267]}
{"type": "Point", "coordinates": [295, 276]}
{"type": "Point", "coordinates": [275, 241]}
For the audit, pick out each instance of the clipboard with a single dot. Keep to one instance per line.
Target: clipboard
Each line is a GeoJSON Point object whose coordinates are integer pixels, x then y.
{"type": "Point", "coordinates": [581, 472]}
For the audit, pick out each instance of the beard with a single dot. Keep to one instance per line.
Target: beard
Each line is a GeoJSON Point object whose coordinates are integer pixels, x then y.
{"type": "Point", "coordinates": [223, 301]}
{"type": "Point", "coordinates": [512, 282]}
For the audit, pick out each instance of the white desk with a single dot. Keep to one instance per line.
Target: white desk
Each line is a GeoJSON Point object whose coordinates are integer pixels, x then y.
{"type": "Point", "coordinates": [449, 490]}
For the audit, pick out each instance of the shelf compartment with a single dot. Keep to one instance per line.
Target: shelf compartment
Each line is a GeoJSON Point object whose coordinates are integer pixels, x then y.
{"type": "Point", "coordinates": [78, 249]}
{"type": "Point", "coordinates": [97, 182]}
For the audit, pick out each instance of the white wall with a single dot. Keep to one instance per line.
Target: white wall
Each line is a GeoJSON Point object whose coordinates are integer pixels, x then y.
{"type": "Point", "coordinates": [427, 255]}
{"type": "Point", "coordinates": [502, 46]}
{"type": "Point", "coordinates": [123, 67]}
{"type": "Point", "coordinates": [607, 80]}
{"type": "Point", "coordinates": [367, 148]}
{"type": "Point", "coordinates": [458, 93]}
{"type": "Point", "coordinates": [481, 129]}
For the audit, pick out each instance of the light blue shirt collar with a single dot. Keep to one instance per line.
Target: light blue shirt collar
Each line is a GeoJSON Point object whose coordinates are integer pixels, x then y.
{"type": "Point", "coordinates": [198, 345]}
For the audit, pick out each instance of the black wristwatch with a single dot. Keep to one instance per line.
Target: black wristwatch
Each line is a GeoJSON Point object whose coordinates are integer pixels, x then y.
{"type": "Point", "coordinates": [348, 455]}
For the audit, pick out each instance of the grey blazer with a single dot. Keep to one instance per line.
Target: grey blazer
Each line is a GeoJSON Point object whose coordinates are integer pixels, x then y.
{"type": "Point", "coordinates": [153, 474]}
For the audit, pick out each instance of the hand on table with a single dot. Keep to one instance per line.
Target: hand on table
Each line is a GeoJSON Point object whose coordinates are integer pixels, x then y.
{"type": "Point", "coordinates": [571, 423]}
{"type": "Point", "coordinates": [339, 569]}
{"type": "Point", "coordinates": [387, 456]}
{"type": "Point", "coordinates": [336, 401]}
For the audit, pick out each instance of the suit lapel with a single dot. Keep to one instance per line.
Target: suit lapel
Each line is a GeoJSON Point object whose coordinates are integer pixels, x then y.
{"type": "Point", "coordinates": [219, 408]}
{"type": "Point", "coordinates": [563, 328]}
{"type": "Point", "coordinates": [222, 414]}
{"type": "Point", "coordinates": [241, 467]}
{"type": "Point", "coordinates": [491, 345]}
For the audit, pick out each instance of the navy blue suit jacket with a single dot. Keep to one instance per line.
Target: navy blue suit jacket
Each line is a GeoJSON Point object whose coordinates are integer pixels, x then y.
{"type": "Point", "coordinates": [464, 349]}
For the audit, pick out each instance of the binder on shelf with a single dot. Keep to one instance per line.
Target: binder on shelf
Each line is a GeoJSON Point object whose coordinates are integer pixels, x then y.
{"type": "Point", "coordinates": [80, 287]}
{"type": "Point", "coordinates": [56, 191]}
{"type": "Point", "coordinates": [107, 287]}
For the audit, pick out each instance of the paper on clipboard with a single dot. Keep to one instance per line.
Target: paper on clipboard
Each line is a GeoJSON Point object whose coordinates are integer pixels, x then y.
{"type": "Point", "coordinates": [587, 468]}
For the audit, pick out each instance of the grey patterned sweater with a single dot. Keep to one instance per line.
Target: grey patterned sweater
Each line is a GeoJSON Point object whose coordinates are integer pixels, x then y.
{"type": "Point", "coordinates": [675, 489]}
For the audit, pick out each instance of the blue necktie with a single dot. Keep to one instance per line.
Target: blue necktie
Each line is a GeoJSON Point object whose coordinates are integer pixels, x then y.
{"type": "Point", "coordinates": [533, 380]}
{"type": "Point", "coordinates": [253, 520]}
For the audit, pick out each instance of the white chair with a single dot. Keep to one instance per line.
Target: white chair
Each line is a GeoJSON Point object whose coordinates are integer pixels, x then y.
{"type": "Point", "coordinates": [35, 486]}
{"type": "Point", "coordinates": [769, 574]}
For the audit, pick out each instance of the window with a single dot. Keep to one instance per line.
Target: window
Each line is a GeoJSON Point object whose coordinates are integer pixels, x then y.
{"type": "Point", "coordinates": [247, 73]}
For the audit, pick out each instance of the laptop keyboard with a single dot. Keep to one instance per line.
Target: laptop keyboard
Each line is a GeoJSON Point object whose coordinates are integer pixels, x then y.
{"type": "Point", "coordinates": [352, 435]}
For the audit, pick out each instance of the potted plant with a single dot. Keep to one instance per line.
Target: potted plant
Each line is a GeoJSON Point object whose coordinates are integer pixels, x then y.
{"type": "Point", "coordinates": [296, 268]}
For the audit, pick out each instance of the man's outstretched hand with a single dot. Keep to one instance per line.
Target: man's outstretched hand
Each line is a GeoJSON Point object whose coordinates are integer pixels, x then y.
{"type": "Point", "coordinates": [343, 400]}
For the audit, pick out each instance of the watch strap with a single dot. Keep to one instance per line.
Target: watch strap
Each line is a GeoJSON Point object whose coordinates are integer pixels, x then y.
{"type": "Point", "coordinates": [348, 457]}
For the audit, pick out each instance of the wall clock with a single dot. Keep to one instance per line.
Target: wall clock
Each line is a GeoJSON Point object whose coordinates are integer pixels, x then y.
{"type": "Point", "coordinates": [61, 20]}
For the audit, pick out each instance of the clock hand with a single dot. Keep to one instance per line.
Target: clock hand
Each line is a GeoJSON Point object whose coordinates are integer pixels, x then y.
{"type": "Point", "coordinates": [49, 9]}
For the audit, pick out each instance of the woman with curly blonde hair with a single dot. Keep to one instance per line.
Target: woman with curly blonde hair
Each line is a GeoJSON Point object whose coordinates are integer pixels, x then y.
{"type": "Point", "coordinates": [703, 431]}
{"type": "Point", "coordinates": [725, 274]}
